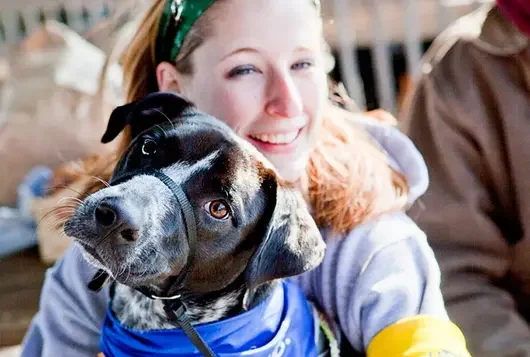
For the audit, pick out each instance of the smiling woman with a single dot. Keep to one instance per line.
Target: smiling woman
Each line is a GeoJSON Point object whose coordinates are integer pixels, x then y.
{"type": "Point", "coordinates": [259, 66]}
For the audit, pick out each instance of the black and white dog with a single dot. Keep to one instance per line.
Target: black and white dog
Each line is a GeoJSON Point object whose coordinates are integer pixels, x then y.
{"type": "Point", "coordinates": [250, 230]}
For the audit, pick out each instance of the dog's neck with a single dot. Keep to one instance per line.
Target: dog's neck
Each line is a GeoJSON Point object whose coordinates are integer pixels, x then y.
{"type": "Point", "coordinates": [137, 311]}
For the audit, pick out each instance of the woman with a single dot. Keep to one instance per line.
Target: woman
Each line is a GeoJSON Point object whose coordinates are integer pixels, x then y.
{"type": "Point", "coordinates": [259, 66]}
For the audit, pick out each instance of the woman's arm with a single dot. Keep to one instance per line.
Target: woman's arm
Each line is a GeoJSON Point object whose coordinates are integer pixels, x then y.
{"type": "Point", "coordinates": [69, 316]}
{"type": "Point", "coordinates": [381, 280]}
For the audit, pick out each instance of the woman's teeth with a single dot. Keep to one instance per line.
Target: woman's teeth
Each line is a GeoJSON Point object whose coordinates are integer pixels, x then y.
{"type": "Point", "coordinates": [285, 138]}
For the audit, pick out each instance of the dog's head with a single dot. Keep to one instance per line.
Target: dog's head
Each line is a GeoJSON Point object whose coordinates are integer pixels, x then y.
{"type": "Point", "coordinates": [248, 223]}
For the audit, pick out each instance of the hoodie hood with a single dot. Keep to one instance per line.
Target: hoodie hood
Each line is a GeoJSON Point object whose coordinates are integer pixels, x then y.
{"type": "Point", "coordinates": [403, 155]}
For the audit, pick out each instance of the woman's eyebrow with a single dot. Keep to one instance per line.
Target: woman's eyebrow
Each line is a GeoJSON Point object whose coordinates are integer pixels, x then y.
{"type": "Point", "coordinates": [240, 50]}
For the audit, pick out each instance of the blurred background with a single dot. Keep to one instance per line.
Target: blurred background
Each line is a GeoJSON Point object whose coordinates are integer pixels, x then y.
{"type": "Point", "coordinates": [52, 56]}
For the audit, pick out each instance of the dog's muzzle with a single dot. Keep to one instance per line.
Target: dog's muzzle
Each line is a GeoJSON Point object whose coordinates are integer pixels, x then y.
{"type": "Point", "coordinates": [101, 277]}
{"type": "Point", "coordinates": [173, 306]}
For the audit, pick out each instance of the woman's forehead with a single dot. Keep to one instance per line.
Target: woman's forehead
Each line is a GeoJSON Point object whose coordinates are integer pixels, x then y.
{"type": "Point", "coordinates": [292, 24]}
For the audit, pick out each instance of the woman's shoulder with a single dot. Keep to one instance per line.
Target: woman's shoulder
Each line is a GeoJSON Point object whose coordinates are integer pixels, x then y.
{"type": "Point", "coordinates": [373, 236]}
{"type": "Point", "coordinates": [401, 152]}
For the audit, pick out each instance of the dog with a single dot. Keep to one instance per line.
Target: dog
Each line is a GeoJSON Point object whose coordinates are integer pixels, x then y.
{"type": "Point", "coordinates": [252, 231]}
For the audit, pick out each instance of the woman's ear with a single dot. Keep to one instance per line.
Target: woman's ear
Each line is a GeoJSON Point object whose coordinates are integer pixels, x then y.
{"type": "Point", "coordinates": [167, 77]}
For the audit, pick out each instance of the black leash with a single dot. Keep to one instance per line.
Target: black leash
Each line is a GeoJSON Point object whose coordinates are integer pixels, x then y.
{"type": "Point", "coordinates": [173, 306]}
{"type": "Point", "coordinates": [176, 312]}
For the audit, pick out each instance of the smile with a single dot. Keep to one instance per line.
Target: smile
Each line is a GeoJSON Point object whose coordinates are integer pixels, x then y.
{"type": "Point", "coordinates": [277, 139]}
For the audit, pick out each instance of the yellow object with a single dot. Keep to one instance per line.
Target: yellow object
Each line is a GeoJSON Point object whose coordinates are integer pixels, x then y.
{"type": "Point", "coordinates": [419, 336]}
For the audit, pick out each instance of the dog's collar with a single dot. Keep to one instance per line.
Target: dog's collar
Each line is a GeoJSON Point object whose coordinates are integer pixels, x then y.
{"type": "Point", "coordinates": [173, 306]}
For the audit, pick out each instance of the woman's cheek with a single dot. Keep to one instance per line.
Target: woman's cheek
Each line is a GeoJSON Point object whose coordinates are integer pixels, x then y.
{"type": "Point", "coordinates": [314, 92]}
{"type": "Point", "coordinates": [238, 105]}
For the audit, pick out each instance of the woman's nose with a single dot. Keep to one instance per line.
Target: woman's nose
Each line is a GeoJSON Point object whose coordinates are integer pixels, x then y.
{"type": "Point", "coordinates": [284, 99]}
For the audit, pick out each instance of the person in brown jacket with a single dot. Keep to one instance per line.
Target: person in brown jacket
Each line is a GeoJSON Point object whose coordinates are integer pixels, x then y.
{"type": "Point", "coordinates": [469, 115]}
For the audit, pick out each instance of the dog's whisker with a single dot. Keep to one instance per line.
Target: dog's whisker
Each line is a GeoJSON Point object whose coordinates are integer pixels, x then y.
{"type": "Point", "coordinates": [167, 266]}
{"type": "Point", "coordinates": [100, 180]}
{"type": "Point", "coordinates": [58, 225]}
{"type": "Point", "coordinates": [128, 270]}
{"type": "Point", "coordinates": [67, 187]}
{"type": "Point", "coordinates": [141, 257]}
{"type": "Point", "coordinates": [72, 204]}
{"type": "Point", "coordinates": [165, 116]}
{"type": "Point", "coordinates": [125, 269]}
{"type": "Point", "coordinates": [161, 253]}
{"type": "Point", "coordinates": [63, 234]}
{"type": "Point", "coordinates": [75, 199]}
{"type": "Point", "coordinates": [118, 270]}
{"type": "Point", "coordinates": [163, 130]}
{"type": "Point", "coordinates": [69, 212]}
{"type": "Point", "coordinates": [62, 206]}
{"type": "Point", "coordinates": [144, 273]}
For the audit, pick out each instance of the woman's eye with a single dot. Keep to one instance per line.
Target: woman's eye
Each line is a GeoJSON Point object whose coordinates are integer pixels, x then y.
{"type": "Point", "coordinates": [242, 71]}
{"type": "Point", "coordinates": [218, 209]}
{"type": "Point", "coordinates": [149, 147]}
{"type": "Point", "coordinates": [302, 65]}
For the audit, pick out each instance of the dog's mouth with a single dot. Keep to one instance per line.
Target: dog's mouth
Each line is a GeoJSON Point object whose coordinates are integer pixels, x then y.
{"type": "Point", "coordinates": [91, 251]}
{"type": "Point", "coordinates": [129, 270]}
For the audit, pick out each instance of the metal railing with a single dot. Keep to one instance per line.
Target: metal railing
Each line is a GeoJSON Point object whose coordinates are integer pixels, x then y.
{"type": "Point", "coordinates": [18, 18]}
{"type": "Point", "coordinates": [382, 27]}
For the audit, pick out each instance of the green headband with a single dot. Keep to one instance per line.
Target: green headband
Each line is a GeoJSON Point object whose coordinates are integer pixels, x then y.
{"type": "Point", "coordinates": [177, 20]}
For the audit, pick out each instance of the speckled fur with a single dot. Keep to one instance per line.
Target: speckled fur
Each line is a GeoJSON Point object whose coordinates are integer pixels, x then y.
{"type": "Point", "coordinates": [135, 310]}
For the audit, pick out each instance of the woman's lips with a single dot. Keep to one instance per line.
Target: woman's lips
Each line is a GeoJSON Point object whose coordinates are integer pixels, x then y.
{"type": "Point", "coordinates": [275, 143]}
{"type": "Point", "coordinates": [278, 138]}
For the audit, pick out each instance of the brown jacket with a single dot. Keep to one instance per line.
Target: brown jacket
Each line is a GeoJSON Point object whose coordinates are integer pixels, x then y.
{"type": "Point", "coordinates": [470, 117]}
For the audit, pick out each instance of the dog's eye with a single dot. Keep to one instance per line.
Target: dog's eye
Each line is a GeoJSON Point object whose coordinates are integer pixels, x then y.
{"type": "Point", "coordinates": [218, 209]}
{"type": "Point", "coordinates": [149, 147]}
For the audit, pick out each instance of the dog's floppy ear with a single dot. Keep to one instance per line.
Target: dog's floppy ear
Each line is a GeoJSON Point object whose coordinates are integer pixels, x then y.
{"type": "Point", "coordinates": [119, 118]}
{"type": "Point", "coordinates": [155, 108]}
{"type": "Point", "coordinates": [292, 244]}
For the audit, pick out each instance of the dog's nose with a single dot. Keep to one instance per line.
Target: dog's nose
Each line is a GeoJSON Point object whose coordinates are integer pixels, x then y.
{"type": "Point", "coordinates": [111, 215]}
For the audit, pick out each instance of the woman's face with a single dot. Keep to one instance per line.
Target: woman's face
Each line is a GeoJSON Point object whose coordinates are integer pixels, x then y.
{"type": "Point", "coordinates": [262, 72]}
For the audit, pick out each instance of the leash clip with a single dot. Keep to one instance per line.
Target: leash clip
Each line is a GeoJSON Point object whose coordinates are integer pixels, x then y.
{"type": "Point", "coordinates": [174, 297]}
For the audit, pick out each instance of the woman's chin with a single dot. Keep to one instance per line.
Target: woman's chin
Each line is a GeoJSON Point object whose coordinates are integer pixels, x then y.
{"type": "Point", "coordinates": [290, 169]}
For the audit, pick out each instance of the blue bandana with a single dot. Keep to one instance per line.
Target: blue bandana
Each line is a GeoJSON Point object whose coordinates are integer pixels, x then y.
{"type": "Point", "coordinates": [282, 326]}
